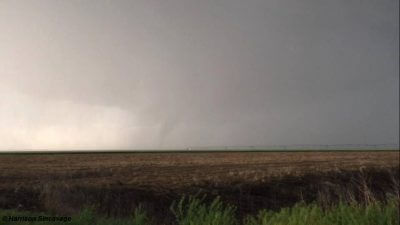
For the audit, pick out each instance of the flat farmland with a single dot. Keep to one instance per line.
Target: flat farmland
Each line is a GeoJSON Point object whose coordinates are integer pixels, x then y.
{"type": "Point", "coordinates": [175, 170]}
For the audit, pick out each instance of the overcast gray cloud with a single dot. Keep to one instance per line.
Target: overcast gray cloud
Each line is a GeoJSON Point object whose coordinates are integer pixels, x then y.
{"type": "Point", "coordinates": [102, 74]}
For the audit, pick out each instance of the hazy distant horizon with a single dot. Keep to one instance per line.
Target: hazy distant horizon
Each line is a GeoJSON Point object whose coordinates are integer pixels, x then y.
{"type": "Point", "coordinates": [158, 74]}
{"type": "Point", "coordinates": [288, 147]}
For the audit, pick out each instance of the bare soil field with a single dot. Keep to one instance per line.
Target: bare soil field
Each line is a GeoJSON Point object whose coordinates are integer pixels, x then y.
{"type": "Point", "coordinates": [179, 170]}
{"type": "Point", "coordinates": [119, 182]}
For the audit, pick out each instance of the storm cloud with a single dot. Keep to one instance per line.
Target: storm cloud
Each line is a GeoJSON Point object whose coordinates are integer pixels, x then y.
{"type": "Point", "coordinates": [137, 74]}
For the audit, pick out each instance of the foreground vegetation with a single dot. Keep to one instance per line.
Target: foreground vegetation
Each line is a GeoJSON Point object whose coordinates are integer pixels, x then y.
{"type": "Point", "coordinates": [195, 211]}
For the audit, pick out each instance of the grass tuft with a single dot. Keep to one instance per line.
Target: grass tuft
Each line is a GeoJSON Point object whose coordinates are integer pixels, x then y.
{"type": "Point", "coordinates": [375, 213]}
{"type": "Point", "coordinates": [194, 211]}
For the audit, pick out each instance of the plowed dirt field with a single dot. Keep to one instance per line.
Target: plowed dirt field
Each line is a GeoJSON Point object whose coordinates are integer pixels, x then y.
{"type": "Point", "coordinates": [178, 170]}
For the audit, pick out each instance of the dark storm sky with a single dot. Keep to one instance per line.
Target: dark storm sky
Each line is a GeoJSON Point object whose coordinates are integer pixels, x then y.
{"type": "Point", "coordinates": [86, 74]}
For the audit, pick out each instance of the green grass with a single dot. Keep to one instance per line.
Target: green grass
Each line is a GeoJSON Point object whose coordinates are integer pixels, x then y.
{"type": "Point", "coordinates": [85, 217]}
{"type": "Point", "coordinates": [193, 210]}
{"type": "Point", "coordinates": [342, 214]}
